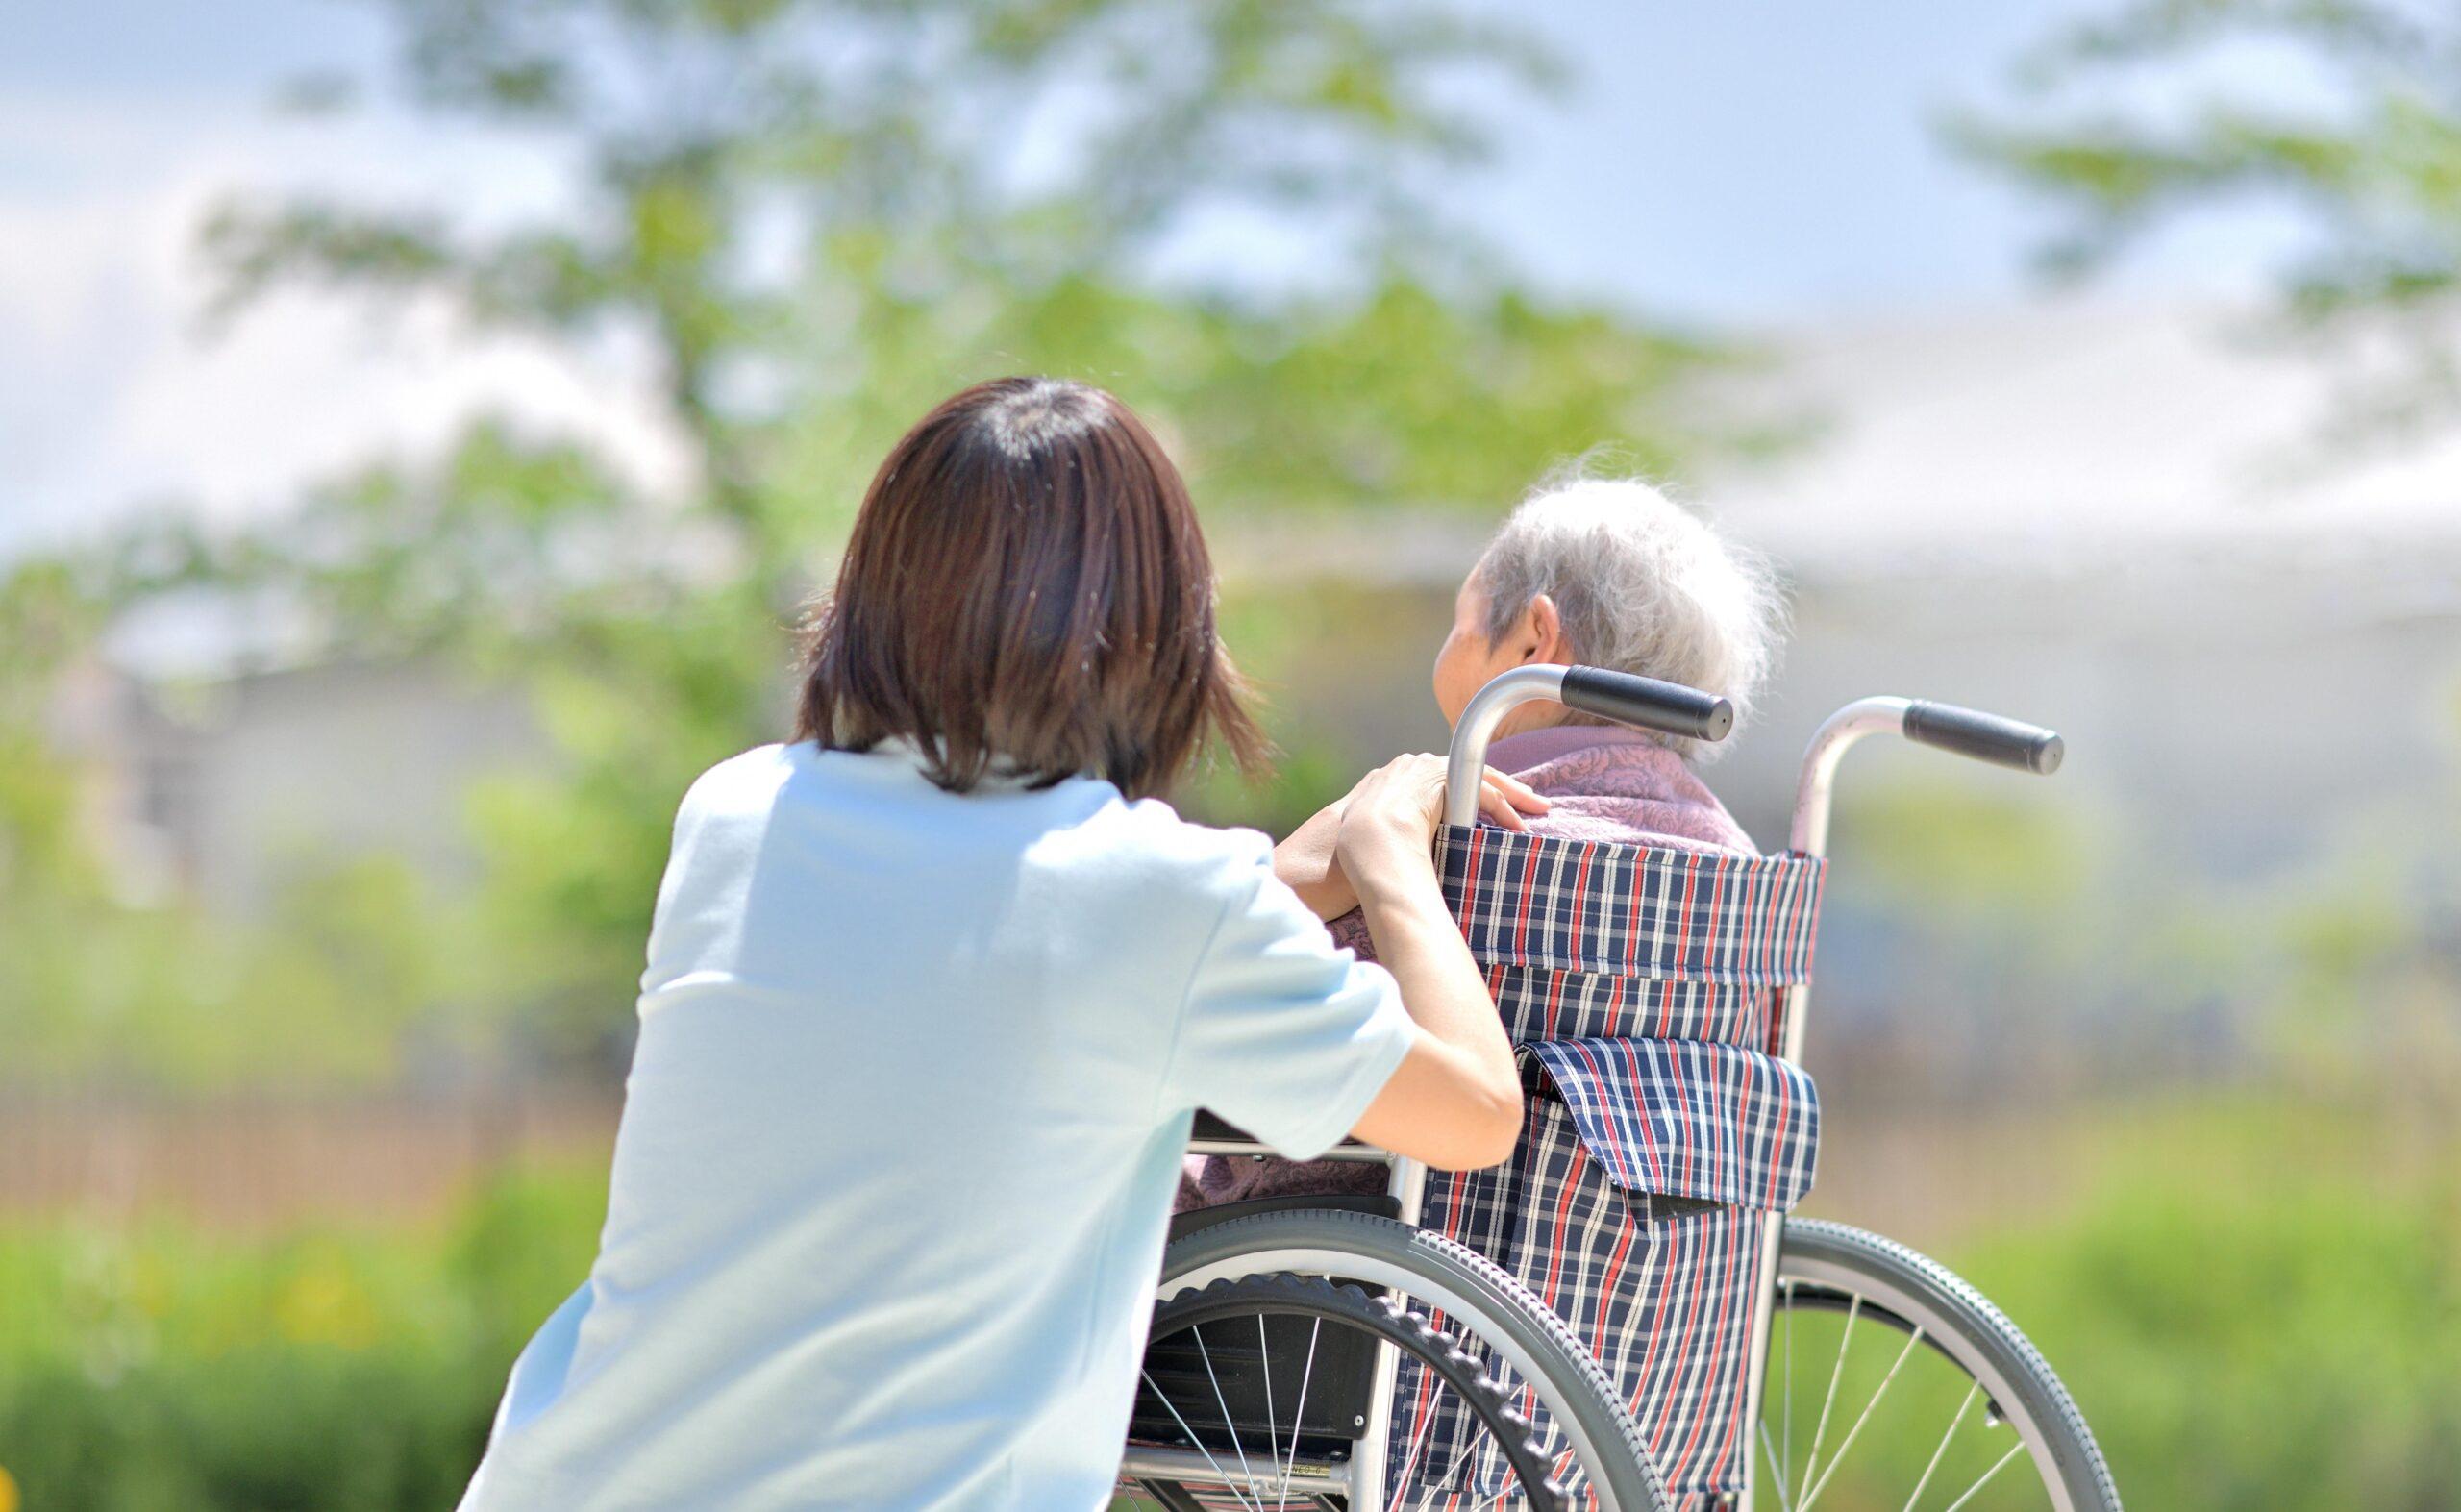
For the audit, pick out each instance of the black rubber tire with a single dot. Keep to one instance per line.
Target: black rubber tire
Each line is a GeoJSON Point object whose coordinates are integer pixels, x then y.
{"type": "Point", "coordinates": [1979, 1340]}
{"type": "Point", "coordinates": [1486, 1303]}
{"type": "Point", "coordinates": [1284, 1295]}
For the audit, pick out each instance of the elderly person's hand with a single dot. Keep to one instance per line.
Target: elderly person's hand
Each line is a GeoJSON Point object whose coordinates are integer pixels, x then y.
{"type": "Point", "coordinates": [1311, 859]}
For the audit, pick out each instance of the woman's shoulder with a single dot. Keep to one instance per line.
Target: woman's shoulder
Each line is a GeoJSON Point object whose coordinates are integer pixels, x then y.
{"type": "Point", "coordinates": [1155, 847]}
{"type": "Point", "coordinates": [766, 776]}
{"type": "Point", "coordinates": [754, 774]}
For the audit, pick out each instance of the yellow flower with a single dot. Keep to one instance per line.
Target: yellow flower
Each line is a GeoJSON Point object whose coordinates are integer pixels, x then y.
{"type": "Point", "coordinates": [8, 1491]}
{"type": "Point", "coordinates": [323, 1303]}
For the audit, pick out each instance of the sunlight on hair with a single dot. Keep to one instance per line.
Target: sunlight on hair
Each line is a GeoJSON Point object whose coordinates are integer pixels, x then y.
{"type": "Point", "coordinates": [1643, 584]}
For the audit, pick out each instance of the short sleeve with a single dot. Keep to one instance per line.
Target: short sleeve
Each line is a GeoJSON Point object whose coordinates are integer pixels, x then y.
{"type": "Point", "coordinates": [1282, 1032]}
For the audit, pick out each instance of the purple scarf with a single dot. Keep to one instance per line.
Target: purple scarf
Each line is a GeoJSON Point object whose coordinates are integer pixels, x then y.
{"type": "Point", "coordinates": [1607, 783]}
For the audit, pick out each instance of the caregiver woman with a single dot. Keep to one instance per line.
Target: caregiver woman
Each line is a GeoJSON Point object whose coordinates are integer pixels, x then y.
{"type": "Point", "coordinates": [933, 993]}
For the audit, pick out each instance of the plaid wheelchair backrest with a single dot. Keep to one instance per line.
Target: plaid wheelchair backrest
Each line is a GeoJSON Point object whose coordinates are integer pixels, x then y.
{"type": "Point", "coordinates": [1661, 917]}
{"type": "Point", "coordinates": [1644, 988]}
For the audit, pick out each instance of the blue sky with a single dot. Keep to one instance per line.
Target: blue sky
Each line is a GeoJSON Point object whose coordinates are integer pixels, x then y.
{"type": "Point", "coordinates": [1767, 165]}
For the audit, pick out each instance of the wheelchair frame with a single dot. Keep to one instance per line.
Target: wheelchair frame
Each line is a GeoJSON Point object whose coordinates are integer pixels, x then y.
{"type": "Point", "coordinates": [1673, 709]}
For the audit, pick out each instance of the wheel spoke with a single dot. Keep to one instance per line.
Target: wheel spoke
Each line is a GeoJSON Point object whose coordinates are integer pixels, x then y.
{"type": "Point", "coordinates": [1940, 1453]}
{"type": "Point", "coordinates": [1785, 1499]}
{"type": "Point", "coordinates": [1500, 1492]}
{"type": "Point", "coordinates": [1298, 1416]}
{"type": "Point", "coordinates": [1191, 1434]}
{"type": "Point", "coordinates": [1974, 1490]}
{"type": "Point", "coordinates": [1845, 1339]}
{"type": "Point", "coordinates": [1273, 1446]}
{"type": "Point", "coordinates": [1865, 1416]}
{"type": "Point", "coordinates": [1227, 1426]}
{"type": "Point", "coordinates": [1787, 1473]}
{"type": "Point", "coordinates": [1418, 1441]}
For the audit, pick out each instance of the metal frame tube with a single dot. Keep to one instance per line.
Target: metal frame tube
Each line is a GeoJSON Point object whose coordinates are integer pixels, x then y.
{"type": "Point", "coordinates": [1465, 761]}
{"type": "Point", "coordinates": [1195, 1467]}
{"type": "Point", "coordinates": [1829, 743]}
{"type": "Point", "coordinates": [1807, 836]}
{"type": "Point", "coordinates": [1408, 1188]}
{"type": "Point", "coordinates": [1363, 1155]}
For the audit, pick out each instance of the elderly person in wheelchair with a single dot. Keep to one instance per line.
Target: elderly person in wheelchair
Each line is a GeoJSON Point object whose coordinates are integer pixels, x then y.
{"type": "Point", "coordinates": [1608, 573]}
{"type": "Point", "coordinates": [1597, 571]}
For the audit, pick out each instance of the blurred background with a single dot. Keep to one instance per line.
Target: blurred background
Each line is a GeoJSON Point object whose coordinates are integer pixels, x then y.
{"type": "Point", "coordinates": [421, 419]}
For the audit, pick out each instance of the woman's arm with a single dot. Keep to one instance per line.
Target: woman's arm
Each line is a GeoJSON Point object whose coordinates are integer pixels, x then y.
{"type": "Point", "coordinates": [1310, 861]}
{"type": "Point", "coordinates": [1307, 862]}
{"type": "Point", "coordinates": [1456, 1100]}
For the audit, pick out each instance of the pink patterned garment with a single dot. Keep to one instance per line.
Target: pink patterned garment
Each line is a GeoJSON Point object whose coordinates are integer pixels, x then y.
{"type": "Point", "coordinates": [1607, 783]}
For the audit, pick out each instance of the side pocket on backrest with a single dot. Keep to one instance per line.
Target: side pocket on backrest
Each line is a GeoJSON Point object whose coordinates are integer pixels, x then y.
{"type": "Point", "coordinates": [1688, 1120]}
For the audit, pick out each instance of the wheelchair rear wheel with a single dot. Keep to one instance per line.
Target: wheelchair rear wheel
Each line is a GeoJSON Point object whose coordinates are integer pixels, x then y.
{"type": "Point", "coordinates": [1853, 1414]}
{"type": "Point", "coordinates": [1220, 1424]}
{"type": "Point", "coordinates": [1483, 1324]}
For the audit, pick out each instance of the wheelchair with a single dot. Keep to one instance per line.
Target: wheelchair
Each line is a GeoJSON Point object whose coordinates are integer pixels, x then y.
{"type": "Point", "coordinates": [1623, 1317]}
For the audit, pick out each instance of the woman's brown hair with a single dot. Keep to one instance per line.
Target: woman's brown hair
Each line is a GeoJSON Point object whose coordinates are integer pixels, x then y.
{"type": "Point", "coordinates": [1027, 594]}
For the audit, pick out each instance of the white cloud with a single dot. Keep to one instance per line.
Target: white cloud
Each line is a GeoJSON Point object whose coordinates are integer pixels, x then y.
{"type": "Point", "coordinates": [109, 394]}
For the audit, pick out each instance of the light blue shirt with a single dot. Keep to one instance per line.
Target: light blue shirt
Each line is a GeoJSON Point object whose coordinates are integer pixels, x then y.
{"type": "Point", "coordinates": [914, 1075]}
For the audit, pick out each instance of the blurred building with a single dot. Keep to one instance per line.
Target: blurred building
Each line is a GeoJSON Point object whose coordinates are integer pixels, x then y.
{"type": "Point", "coordinates": [225, 786]}
{"type": "Point", "coordinates": [2115, 520]}
{"type": "Point", "coordinates": [2132, 522]}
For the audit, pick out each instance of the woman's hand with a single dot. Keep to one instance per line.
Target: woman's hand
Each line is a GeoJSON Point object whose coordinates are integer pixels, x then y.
{"type": "Point", "coordinates": [1309, 859]}
{"type": "Point", "coordinates": [1456, 1100]}
{"type": "Point", "coordinates": [1391, 815]}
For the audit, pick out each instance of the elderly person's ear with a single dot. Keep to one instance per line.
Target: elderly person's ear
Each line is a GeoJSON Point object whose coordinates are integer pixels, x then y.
{"type": "Point", "coordinates": [1471, 654]}
{"type": "Point", "coordinates": [1537, 635]}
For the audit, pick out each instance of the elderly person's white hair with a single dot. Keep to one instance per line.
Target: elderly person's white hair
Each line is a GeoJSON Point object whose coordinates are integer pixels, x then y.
{"type": "Point", "coordinates": [1642, 586]}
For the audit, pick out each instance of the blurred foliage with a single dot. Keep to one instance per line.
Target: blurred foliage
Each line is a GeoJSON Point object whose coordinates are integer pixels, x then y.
{"type": "Point", "coordinates": [167, 997]}
{"type": "Point", "coordinates": [2346, 112]}
{"type": "Point", "coordinates": [2255, 1304]}
{"type": "Point", "coordinates": [2260, 1309]}
{"type": "Point", "coordinates": [153, 1368]}
{"type": "Point", "coordinates": [2108, 963]}
{"type": "Point", "coordinates": [2255, 1311]}
{"type": "Point", "coordinates": [801, 222]}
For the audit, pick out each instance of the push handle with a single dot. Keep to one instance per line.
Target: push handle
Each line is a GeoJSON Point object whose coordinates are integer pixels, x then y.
{"type": "Point", "coordinates": [1985, 737]}
{"type": "Point", "coordinates": [1668, 707]}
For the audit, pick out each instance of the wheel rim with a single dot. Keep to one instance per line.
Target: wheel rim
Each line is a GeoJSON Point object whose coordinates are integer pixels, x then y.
{"type": "Point", "coordinates": [1873, 1399]}
{"type": "Point", "coordinates": [1222, 1424]}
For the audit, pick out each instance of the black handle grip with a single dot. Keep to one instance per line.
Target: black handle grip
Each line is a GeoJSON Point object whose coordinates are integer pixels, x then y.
{"type": "Point", "coordinates": [1985, 737]}
{"type": "Point", "coordinates": [1667, 707]}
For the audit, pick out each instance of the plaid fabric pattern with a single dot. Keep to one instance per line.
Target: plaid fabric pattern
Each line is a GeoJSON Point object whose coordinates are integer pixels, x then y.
{"type": "Point", "coordinates": [1680, 1118]}
{"type": "Point", "coordinates": [1647, 985]}
{"type": "Point", "coordinates": [1542, 1003]}
{"type": "Point", "coordinates": [1527, 900]}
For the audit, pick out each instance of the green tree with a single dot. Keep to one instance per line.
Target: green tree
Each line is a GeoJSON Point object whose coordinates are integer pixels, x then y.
{"type": "Point", "coordinates": [810, 218]}
{"type": "Point", "coordinates": [2151, 115]}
